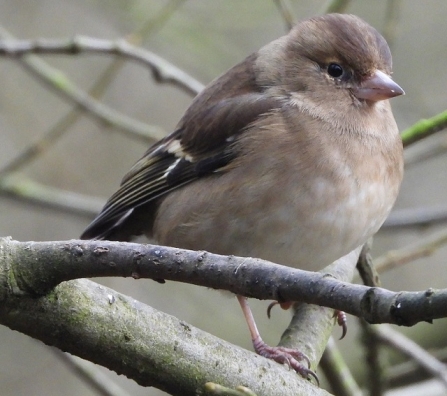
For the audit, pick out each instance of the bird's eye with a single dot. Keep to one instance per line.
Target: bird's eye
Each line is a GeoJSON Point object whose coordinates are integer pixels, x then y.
{"type": "Point", "coordinates": [335, 70]}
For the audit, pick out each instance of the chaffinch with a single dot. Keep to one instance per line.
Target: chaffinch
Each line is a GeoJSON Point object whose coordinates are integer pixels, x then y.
{"type": "Point", "coordinates": [293, 156]}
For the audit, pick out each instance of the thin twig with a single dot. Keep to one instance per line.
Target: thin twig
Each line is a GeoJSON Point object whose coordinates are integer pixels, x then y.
{"type": "Point", "coordinates": [90, 374]}
{"type": "Point", "coordinates": [425, 247]}
{"type": "Point", "coordinates": [392, 14]}
{"type": "Point", "coordinates": [374, 365]}
{"type": "Point", "coordinates": [335, 6]}
{"type": "Point", "coordinates": [218, 390]}
{"type": "Point", "coordinates": [162, 71]}
{"type": "Point", "coordinates": [37, 194]}
{"type": "Point", "coordinates": [424, 128]}
{"type": "Point", "coordinates": [96, 92]}
{"type": "Point", "coordinates": [337, 372]}
{"type": "Point", "coordinates": [286, 13]}
{"type": "Point", "coordinates": [416, 217]}
{"type": "Point", "coordinates": [155, 24]}
{"type": "Point", "coordinates": [408, 347]}
{"type": "Point", "coordinates": [107, 116]}
{"type": "Point", "coordinates": [43, 143]}
{"type": "Point", "coordinates": [426, 149]}
{"type": "Point", "coordinates": [401, 374]}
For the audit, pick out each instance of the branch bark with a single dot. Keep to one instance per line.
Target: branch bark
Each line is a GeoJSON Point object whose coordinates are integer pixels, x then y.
{"type": "Point", "coordinates": [152, 348]}
{"type": "Point", "coordinates": [130, 338]}
{"type": "Point", "coordinates": [39, 266]}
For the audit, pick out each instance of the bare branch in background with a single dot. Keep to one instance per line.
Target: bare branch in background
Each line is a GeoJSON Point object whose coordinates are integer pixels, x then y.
{"type": "Point", "coordinates": [403, 373]}
{"type": "Point", "coordinates": [425, 360]}
{"type": "Point", "coordinates": [375, 370]}
{"type": "Point", "coordinates": [392, 14]}
{"type": "Point", "coordinates": [90, 374]}
{"type": "Point", "coordinates": [416, 217]}
{"type": "Point", "coordinates": [21, 188]}
{"type": "Point", "coordinates": [98, 89]}
{"type": "Point", "coordinates": [424, 128]}
{"type": "Point", "coordinates": [337, 372]}
{"type": "Point", "coordinates": [335, 6]}
{"type": "Point", "coordinates": [162, 72]}
{"type": "Point", "coordinates": [215, 389]}
{"type": "Point", "coordinates": [286, 13]}
{"type": "Point", "coordinates": [426, 149]}
{"type": "Point", "coordinates": [423, 248]}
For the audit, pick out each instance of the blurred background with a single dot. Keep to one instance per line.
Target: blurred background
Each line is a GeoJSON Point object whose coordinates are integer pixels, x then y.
{"type": "Point", "coordinates": [203, 38]}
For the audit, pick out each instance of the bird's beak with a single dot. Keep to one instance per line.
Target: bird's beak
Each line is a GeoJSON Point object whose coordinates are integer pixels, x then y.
{"type": "Point", "coordinates": [379, 86]}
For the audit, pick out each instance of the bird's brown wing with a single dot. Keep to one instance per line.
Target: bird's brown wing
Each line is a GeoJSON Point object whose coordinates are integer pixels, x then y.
{"type": "Point", "coordinates": [200, 146]}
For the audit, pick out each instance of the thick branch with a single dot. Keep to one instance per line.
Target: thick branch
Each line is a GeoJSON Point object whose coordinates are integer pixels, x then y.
{"type": "Point", "coordinates": [70, 320]}
{"type": "Point", "coordinates": [39, 266]}
{"type": "Point", "coordinates": [152, 348]}
{"type": "Point", "coordinates": [311, 325]}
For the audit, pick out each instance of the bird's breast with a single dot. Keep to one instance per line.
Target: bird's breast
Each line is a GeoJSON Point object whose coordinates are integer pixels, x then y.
{"type": "Point", "coordinates": [304, 205]}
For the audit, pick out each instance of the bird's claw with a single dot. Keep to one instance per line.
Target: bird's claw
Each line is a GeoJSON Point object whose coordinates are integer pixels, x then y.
{"type": "Point", "coordinates": [342, 321]}
{"type": "Point", "coordinates": [269, 308]}
{"type": "Point", "coordinates": [284, 305]}
{"type": "Point", "coordinates": [289, 356]}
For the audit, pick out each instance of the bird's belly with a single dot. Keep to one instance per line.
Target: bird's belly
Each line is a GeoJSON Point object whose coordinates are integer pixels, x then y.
{"type": "Point", "coordinates": [306, 228]}
{"type": "Point", "coordinates": [312, 232]}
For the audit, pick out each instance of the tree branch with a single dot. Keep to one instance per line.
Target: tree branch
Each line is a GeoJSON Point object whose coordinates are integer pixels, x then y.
{"type": "Point", "coordinates": [162, 71]}
{"type": "Point", "coordinates": [39, 266]}
{"type": "Point", "coordinates": [423, 248]}
{"type": "Point", "coordinates": [72, 308]}
{"type": "Point", "coordinates": [152, 348]}
{"type": "Point", "coordinates": [424, 128]}
{"type": "Point", "coordinates": [337, 372]}
{"type": "Point", "coordinates": [20, 188]}
{"type": "Point", "coordinates": [403, 344]}
{"type": "Point", "coordinates": [90, 374]}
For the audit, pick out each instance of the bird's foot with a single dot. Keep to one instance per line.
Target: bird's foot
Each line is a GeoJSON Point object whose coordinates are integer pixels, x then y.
{"type": "Point", "coordinates": [284, 305]}
{"type": "Point", "coordinates": [289, 356]}
{"type": "Point", "coordinates": [342, 322]}
{"type": "Point", "coordinates": [339, 315]}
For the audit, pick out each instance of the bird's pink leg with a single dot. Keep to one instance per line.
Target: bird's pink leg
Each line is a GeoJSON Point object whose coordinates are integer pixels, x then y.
{"type": "Point", "coordinates": [289, 356]}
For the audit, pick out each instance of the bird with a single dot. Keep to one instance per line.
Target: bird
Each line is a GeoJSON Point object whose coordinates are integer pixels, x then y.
{"type": "Point", "coordinates": [293, 156]}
